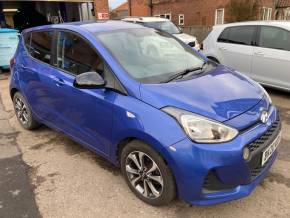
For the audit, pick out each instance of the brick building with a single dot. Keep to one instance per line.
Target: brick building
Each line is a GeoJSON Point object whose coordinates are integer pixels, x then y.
{"type": "Point", "coordinates": [282, 10]}
{"type": "Point", "coordinates": [202, 12]}
{"type": "Point", "coordinates": [120, 12]}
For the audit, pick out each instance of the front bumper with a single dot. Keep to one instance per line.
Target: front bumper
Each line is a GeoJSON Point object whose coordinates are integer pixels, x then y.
{"type": "Point", "coordinates": [215, 173]}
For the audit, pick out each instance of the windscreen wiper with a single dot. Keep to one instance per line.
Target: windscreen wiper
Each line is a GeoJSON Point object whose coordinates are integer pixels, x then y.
{"type": "Point", "coordinates": [184, 72]}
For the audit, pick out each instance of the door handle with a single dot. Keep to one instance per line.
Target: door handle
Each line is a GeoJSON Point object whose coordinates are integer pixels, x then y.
{"type": "Point", "coordinates": [57, 81]}
{"type": "Point", "coordinates": [24, 67]}
{"type": "Point", "coordinates": [259, 53]}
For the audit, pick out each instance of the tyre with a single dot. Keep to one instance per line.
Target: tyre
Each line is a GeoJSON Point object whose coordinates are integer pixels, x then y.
{"type": "Point", "coordinates": [23, 112]}
{"type": "Point", "coordinates": [147, 174]}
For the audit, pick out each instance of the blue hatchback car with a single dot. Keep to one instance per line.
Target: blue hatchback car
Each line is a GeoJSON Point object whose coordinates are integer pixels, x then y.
{"type": "Point", "coordinates": [176, 123]}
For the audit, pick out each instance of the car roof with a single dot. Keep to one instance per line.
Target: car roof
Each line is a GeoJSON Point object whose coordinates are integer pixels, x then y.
{"type": "Point", "coordinates": [145, 19]}
{"type": "Point", "coordinates": [91, 26]}
{"type": "Point", "coordinates": [278, 23]}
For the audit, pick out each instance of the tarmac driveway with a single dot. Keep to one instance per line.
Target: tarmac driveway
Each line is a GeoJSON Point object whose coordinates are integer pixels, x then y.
{"type": "Point", "coordinates": [69, 181]}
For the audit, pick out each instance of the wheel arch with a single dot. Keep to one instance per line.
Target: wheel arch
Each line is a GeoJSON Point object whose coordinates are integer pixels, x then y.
{"type": "Point", "coordinates": [143, 137]}
{"type": "Point", "coordinates": [211, 57]}
{"type": "Point", "coordinates": [13, 91]}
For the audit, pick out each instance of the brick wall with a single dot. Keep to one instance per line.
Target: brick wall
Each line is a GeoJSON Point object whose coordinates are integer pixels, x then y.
{"type": "Point", "coordinates": [196, 12]}
{"type": "Point", "coordinates": [139, 8]}
{"type": "Point", "coordinates": [101, 6]}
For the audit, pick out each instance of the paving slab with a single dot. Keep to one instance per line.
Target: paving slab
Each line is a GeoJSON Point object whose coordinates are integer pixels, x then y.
{"type": "Point", "coordinates": [16, 192]}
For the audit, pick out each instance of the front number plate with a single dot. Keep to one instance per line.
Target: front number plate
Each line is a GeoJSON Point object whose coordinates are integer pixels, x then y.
{"type": "Point", "coordinates": [271, 149]}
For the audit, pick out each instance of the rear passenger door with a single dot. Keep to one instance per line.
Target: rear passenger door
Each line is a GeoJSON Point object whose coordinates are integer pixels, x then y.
{"type": "Point", "coordinates": [271, 62]}
{"type": "Point", "coordinates": [235, 47]}
{"type": "Point", "coordinates": [35, 70]}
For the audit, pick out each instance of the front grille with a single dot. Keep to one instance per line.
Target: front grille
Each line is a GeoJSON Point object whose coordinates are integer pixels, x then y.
{"type": "Point", "coordinates": [191, 44]}
{"type": "Point", "coordinates": [256, 171]}
{"type": "Point", "coordinates": [258, 146]}
{"type": "Point", "coordinates": [264, 138]}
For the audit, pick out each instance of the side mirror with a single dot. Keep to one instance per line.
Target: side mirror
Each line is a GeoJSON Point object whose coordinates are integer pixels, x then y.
{"type": "Point", "coordinates": [89, 80]}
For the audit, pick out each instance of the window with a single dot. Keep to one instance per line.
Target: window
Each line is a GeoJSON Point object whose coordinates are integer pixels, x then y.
{"type": "Point", "coordinates": [167, 16]}
{"type": "Point", "coordinates": [243, 35]}
{"type": "Point", "coordinates": [40, 45]}
{"type": "Point", "coordinates": [274, 37]}
{"type": "Point", "coordinates": [181, 19]}
{"type": "Point", "coordinates": [76, 56]}
{"type": "Point", "coordinates": [166, 26]}
{"type": "Point", "coordinates": [219, 16]}
{"type": "Point", "coordinates": [224, 35]}
{"type": "Point", "coordinates": [27, 41]}
{"type": "Point", "coordinates": [152, 56]}
{"type": "Point", "coordinates": [266, 13]}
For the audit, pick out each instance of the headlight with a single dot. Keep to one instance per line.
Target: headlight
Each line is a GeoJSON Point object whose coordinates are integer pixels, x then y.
{"type": "Point", "coordinates": [201, 129]}
{"type": "Point", "coordinates": [266, 94]}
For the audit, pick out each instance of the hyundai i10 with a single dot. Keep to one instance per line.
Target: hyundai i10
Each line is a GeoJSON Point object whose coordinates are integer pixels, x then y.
{"type": "Point", "coordinates": [177, 124]}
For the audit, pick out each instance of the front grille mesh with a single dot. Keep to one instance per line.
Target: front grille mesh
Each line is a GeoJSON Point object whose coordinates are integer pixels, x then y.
{"type": "Point", "coordinates": [256, 171]}
{"type": "Point", "coordinates": [264, 138]}
{"type": "Point", "coordinates": [258, 146]}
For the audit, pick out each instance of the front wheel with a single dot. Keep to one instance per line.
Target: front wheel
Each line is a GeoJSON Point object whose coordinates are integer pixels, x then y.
{"type": "Point", "coordinates": [147, 174]}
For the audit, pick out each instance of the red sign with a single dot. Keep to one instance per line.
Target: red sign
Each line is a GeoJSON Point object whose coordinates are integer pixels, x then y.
{"type": "Point", "coordinates": [103, 16]}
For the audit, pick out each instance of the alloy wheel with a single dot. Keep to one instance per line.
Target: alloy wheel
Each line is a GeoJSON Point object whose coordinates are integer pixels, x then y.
{"type": "Point", "coordinates": [144, 174]}
{"type": "Point", "coordinates": [21, 111]}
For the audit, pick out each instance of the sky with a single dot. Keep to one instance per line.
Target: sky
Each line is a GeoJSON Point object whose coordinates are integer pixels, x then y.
{"type": "Point", "coordinates": [114, 3]}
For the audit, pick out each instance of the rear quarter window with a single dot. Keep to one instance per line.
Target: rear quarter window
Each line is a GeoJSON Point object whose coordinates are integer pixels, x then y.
{"type": "Point", "coordinates": [39, 45]}
{"type": "Point", "coordinates": [26, 39]}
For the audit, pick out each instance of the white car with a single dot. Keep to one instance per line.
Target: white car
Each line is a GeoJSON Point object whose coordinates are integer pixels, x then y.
{"type": "Point", "coordinates": [259, 49]}
{"type": "Point", "coordinates": [167, 26]}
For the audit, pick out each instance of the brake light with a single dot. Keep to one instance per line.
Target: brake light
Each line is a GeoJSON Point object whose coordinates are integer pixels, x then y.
{"type": "Point", "coordinates": [12, 63]}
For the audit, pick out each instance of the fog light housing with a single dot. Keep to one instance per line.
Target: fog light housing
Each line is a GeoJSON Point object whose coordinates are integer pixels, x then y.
{"type": "Point", "coordinates": [246, 153]}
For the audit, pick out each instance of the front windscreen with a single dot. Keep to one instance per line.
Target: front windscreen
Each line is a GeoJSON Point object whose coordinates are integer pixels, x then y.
{"type": "Point", "coordinates": [149, 55]}
{"type": "Point", "coordinates": [166, 26]}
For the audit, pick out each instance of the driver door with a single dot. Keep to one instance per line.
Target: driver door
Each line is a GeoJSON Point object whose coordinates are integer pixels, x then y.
{"type": "Point", "coordinates": [84, 114]}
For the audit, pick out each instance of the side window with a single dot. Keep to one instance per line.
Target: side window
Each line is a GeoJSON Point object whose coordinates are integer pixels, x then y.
{"type": "Point", "coordinates": [76, 56]}
{"type": "Point", "coordinates": [40, 45]}
{"type": "Point", "coordinates": [242, 35]}
{"type": "Point", "coordinates": [274, 37]}
{"type": "Point", "coordinates": [224, 36]}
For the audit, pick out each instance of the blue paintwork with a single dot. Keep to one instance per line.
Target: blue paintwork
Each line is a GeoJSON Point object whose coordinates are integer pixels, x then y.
{"type": "Point", "coordinates": [97, 118]}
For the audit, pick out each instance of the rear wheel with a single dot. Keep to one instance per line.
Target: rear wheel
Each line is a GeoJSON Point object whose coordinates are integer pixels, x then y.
{"type": "Point", "coordinates": [147, 174]}
{"type": "Point", "coordinates": [23, 112]}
